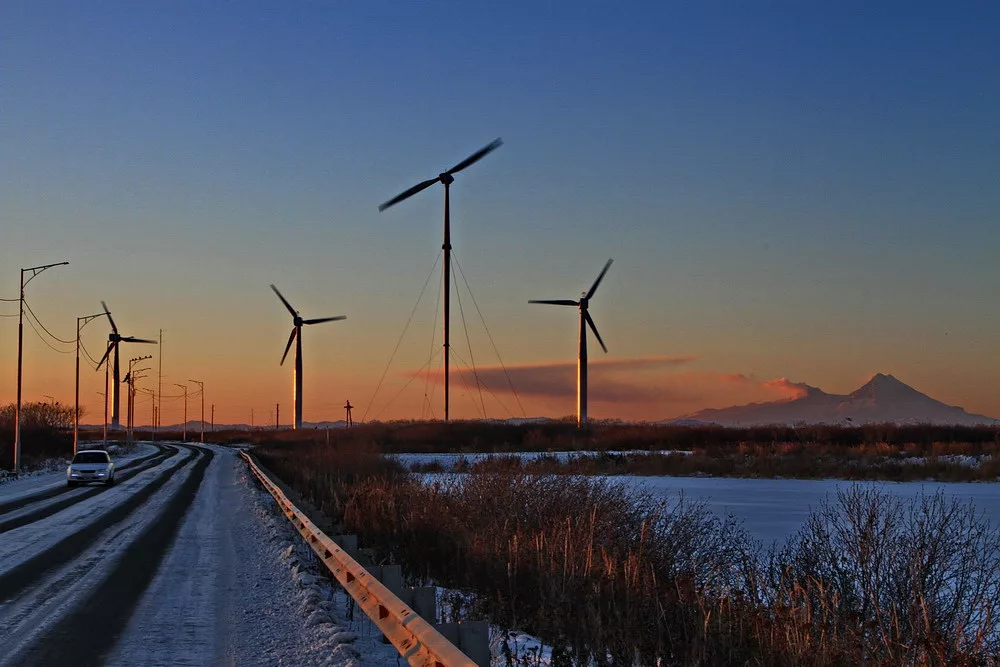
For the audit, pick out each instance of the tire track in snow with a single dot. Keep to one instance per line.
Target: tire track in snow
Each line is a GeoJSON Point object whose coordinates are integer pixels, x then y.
{"type": "Point", "coordinates": [24, 501]}
{"type": "Point", "coordinates": [87, 634]}
{"type": "Point", "coordinates": [27, 573]}
{"type": "Point", "coordinates": [52, 508]}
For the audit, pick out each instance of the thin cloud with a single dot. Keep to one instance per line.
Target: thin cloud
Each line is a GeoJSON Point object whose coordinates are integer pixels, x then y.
{"type": "Point", "coordinates": [655, 387]}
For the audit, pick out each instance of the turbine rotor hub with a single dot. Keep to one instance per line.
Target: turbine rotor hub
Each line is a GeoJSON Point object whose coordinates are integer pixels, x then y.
{"type": "Point", "coordinates": [297, 320]}
{"type": "Point", "coordinates": [446, 178]}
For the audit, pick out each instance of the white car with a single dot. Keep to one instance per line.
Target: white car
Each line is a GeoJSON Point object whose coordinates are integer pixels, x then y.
{"type": "Point", "coordinates": [91, 465]}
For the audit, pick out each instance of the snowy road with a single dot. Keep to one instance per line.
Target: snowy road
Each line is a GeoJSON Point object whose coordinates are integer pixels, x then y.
{"type": "Point", "coordinates": [185, 562]}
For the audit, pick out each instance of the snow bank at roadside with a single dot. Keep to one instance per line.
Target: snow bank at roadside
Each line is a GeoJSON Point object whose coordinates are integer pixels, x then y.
{"type": "Point", "coordinates": [328, 633]}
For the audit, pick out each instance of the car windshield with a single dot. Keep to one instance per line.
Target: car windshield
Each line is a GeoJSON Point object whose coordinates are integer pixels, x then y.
{"type": "Point", "coordinates": [91, 457]}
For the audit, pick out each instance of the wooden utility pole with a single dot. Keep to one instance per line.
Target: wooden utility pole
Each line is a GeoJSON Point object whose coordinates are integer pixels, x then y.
{"type": "Point", "coordinates": [348, 407]}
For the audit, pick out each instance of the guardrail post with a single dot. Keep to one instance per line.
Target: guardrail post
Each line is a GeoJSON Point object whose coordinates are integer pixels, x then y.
{"type": "Point", "coordinates": [471, 637]}
{"type": "Point", "coordinates": [348, 543]}
{"type": "Point", "coordinates": [423, 600]}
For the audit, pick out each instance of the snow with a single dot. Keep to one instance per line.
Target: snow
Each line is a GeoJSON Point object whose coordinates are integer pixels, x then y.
{"type": "Point", "coordinates": [27, 618]}
{"type": "Point", "coordinates": [237, 586]}
{"type": "Point", "coordinates": [775, 509]}
{"type": "Point", "coordinates": [22, 543]}
{"type": "Point", "coordinates": [240, 587]}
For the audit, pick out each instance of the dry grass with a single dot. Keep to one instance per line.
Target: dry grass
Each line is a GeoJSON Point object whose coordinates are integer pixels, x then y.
{"type": "Point", "coordinates": [611, 577]}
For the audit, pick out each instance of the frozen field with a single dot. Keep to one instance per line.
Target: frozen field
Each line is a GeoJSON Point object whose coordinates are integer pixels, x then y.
{"type": "Point", "coordinates": [771, 509]}
{"type": "Point", "coordinates": [774, 509]}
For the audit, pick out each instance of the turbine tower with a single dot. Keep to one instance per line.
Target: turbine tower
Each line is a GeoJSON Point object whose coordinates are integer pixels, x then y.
{"type": "Point", "coordinates": [445, 178]}
{"type": "Point", "coordinates": [296, 336]}
{"type": "Point", "coordinates": [585, 320]}
{"type": "Point", "coordinates": [114, 338]}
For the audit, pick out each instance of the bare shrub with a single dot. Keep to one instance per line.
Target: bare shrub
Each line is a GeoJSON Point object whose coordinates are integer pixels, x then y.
{"type": "Point", "coordinates": [897, 581]}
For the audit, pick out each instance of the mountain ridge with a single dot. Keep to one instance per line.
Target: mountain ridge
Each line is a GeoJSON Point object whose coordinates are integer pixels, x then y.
{"type": "Point", "coordinates": [883, 399]}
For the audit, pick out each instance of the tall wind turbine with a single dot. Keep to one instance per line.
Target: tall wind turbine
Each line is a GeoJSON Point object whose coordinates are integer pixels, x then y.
{"type": "Point", "coordinates": [445, 178]}
{"type": "Point", "coordinates": [296, 336]}
{"type": "Point", "coordinates": [114, 338]}
{"type": "Point", "coordinates": [585, 320]}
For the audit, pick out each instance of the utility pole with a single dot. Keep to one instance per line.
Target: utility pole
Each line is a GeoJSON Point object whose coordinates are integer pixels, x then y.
{"type": "Point", "coordinates": [348, 407]}
{"type": "Point", "coordinates": [213, 417]}
{"type": "Point", "coordinates": [277, 416]}
{"type": "Point", "coordinates": [251, 419]}
{"type": "Point", "coordinates": [185, 388]}
{"type": "Point", "coordinates": [35, 270]}
{"type": "Point", "coordinates": [159, 379]}
{"type": "Point", "coordinates": [130, 380]}
{"type": "Point", "coordinates": [201, 386]}
{"type": "Point", "coordinates": [80, 323]}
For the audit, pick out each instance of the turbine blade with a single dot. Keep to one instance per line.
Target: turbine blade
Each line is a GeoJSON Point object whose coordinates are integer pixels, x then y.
{"type": "Point", "coordinates": [285, 301]}
{"type": "Point", "coordinates": [476, 157]}
{"type": "Point", "coordinates": [291, 339]}
{"type": "Point", "coordinates": [408, 193]}
{"type": "Point", "coordinates": [556, 302]}
{"type": "Point", "coordinates": [597, 282]}
{"type": "Point", "coordinates": [593, 328]}
{"type": "Point", "coordinates": [107, 312]}
{"type": "Point", "coordinates": [131, 339]}
{"type": "Point", "coordinates": [320, 320]}
{"type": "Point", "coordinates": [105, 357]}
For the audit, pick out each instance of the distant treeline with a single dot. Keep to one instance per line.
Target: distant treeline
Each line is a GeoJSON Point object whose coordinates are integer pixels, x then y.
{"type": "Point", "coordinates": [46, 432]}
{"type": "Point", "coordinates": [487, 437]}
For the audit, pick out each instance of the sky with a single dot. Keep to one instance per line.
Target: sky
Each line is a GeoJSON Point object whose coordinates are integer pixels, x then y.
{"type": "Point", "coordinates": [792, 192]}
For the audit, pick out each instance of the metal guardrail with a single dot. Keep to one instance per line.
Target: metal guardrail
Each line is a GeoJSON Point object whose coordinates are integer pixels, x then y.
{"type": "Point", "coordinates": [416, 640]}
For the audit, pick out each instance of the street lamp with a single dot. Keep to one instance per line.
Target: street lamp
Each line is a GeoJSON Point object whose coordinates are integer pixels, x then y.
{"type": "Point", "coordinates": [35, 270]}
{"type": "Point", "coordinates": [185, 388]}
{"type": "Point", "coordinates": [201, 385]}
{"type": "Point", "coordinates": [80, 323]}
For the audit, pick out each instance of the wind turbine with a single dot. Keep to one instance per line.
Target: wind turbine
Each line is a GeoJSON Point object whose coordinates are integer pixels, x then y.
{"type": "Point", "coordinates": [585, 320]}
{"type": "Point", "coordinates": [445, 178]}
{"type": "Point", "coordinates": [114, 338]}
{"type": "Point", "coordinates": [296, 336]}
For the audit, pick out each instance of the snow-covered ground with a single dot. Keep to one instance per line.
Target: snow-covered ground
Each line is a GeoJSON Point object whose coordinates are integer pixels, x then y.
{"type": "Point", "coordinates": [235, 586]}
{"type": "Point", "coordinates": [240, 587]}
{"type": "Point", "coordinates": [775, 509]}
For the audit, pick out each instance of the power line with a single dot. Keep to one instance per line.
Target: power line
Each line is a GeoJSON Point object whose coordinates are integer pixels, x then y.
{"type": "Point", "coordinates": [87, 354]}
{"type": "Point", "coordinates": [468, 342]}
{"type": "Point", "coordinates": [492, 342]}
{"type": "Point", "coordinates": [491, 392]}
{"type": "Point", "coordinates": [66, 342]}
{"type": "Point", "coordinates": [399, 342]}
{"type": "Point", "coordinates": [42, 338]}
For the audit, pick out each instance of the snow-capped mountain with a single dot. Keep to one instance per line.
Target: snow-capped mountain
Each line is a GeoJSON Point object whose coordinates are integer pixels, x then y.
{"type": "Point", "coordinates": [882, 399]}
